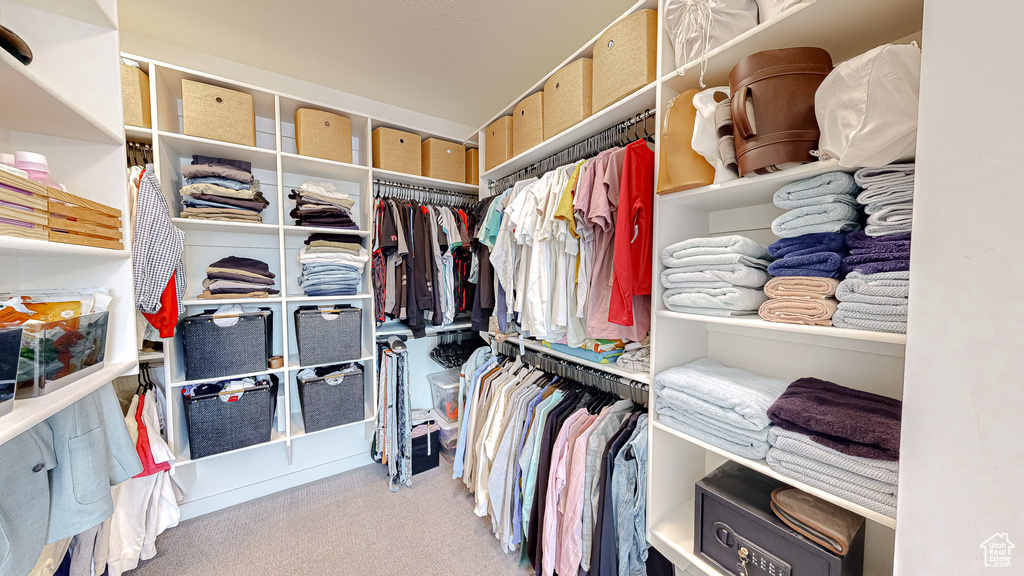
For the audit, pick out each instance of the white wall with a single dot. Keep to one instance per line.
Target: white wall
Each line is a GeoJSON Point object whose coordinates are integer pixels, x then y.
{"type": "Point", "coordinates": [252, 74]}
{"type": "Point", "coordinates": [962, 468]}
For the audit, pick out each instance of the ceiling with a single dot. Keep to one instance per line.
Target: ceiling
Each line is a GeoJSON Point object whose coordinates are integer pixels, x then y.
{"type": "Point", "coordinates": [460, 60]}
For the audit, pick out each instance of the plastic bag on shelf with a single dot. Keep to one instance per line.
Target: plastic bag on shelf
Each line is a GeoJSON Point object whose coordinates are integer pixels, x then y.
{"type": "Point", "coordinates": [697, 26]}
{"type": "Point", "coordinates": [706, 141]}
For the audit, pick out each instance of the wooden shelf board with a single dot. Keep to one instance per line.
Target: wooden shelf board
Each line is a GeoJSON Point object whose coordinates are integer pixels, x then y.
{"type": "Point", "coordinates": [674, 538]}
{"type": "Point", "coordinates": [305, 230]}
{"type": "Point", "coordinates": [181, 383]}
{"type": "Point", "coordinates": [401, 330]}
{"type": "Point", "coordinates": [275, 438]}
{"type": "Point", "coordinates": [28, 413]}
{"type": "Point", "coordinates": [11, 246]}
{"type": "Point", "coordinates": [762, 467]}
{"type": "Point", "coordinates": [425, 181]}
{"type": "Point", "coordinates": [137, 134]}
{"type": "Point", "coordinates": [363, 296]}
{"type": "Point", "coordinates": [227, 227]}
{"type": "Point", "coordinates": [186, 146]}
{"type": "Point", "coordinates": [756, 322]}
{"type": "Point", "coordinates": [213, 303]}
{"type": "Point", "coordinates": [319, 168]}
{"type": "Point", "coordinates": [366, 357]}
{"type": "Point", "coordinates": [613, 368]}
{"type": "Point", "coordinates": [298, 430]}
{"type": "Point", "coordinates": [748, 191]}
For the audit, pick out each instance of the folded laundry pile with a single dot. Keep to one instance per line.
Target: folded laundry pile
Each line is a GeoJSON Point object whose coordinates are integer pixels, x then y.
{"type": "Point", "coordinates": [719, 276]}
{"type": "Point", "coordinates": [841, 440]}
{"type": "Point", "coordinates": [236, 277]}
{"type": "Point", "coordinates": [726, 407]}
{"type": "Point", "coordinates": [221, 189]}
{"type": "Point", "coordinates": [637, 356]}
{"type": "Point", "coordinates": [825, 203]}
{"type": "Point", "coordinates": [603, 356]}
{"type": "Point", "coordinates": [238, 386]}
{"type": "Point", "coordinates": [877, 302]}
{"type": "Point", "coordinates": [320, 204]}
{"type": "Point", "coordinates": [332, 265]}
{"type": "Point", "coordinates": [888, 198]}
{"type": "Point", "coordinates": [805, 300]}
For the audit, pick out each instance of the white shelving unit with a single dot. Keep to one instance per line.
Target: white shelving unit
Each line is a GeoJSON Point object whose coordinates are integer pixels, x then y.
{"type": "Point", "coordinates": [77, 125]}
{"type": "Point", "coordinates": [870, 361]}
{"type": "Point", "coordinates": [277, 241]}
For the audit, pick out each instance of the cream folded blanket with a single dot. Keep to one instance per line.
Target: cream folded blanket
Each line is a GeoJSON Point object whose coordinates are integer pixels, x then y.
{"type": "Point", "coordinates": [801, 287]}
{"type": "Point", "coordinates": [734, 244]}
{"type": "Point", "coordinates": [806, 311]}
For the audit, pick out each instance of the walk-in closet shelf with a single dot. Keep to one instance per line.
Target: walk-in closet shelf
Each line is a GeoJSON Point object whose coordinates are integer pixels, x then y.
{"type": "Point", "coordinates": [863, 360]}
{"type": "Point", "coordinates": [77, 126]}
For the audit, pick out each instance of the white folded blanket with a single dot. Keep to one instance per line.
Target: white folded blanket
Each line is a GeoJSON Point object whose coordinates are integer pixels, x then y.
{"type": "Point", "coordinates": [732, 301]}
{"type": "Point", "coordinates": [716, 436]}
{"type": "Point", "coordinates": [734, 244]}
{"type": "Point", "coordinates": [739, 397]}
{"type": "Point", "coordinates": [856, 320]}
{"type": "Point", "coordinates": [831, 217]}
{"type": "Point", "coordinates": [714, 262]}
{"type": "Point", "coordinates": [829, 187]}
{"type": "Point", "coordinates": [880, 288]}
{"type": "Point", "coordinates": [890, 220]}
{"type": "Point", "coordinates": [885, 176]}
{"type": "Point", "coordinates": [698, 277]}
{"type": "Point", "coordinates": [887, 195]}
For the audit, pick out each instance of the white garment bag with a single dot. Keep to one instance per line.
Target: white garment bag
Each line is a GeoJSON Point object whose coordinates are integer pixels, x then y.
{"type": "Point", "coordinates": [697, 26]}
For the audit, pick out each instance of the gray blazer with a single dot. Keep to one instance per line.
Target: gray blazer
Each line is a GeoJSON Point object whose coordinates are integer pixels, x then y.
{"type": "Point", "coordinates": [87, 449]}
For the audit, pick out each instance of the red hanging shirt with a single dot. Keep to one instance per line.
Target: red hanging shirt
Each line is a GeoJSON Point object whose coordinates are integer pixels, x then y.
{"type": "Point", "coordinates": [633, 233]}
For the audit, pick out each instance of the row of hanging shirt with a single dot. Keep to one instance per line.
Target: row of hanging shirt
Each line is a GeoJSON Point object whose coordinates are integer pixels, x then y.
{"type": "Point", "coordinates": [421, 262]}
{"type": "Point", "coordinates": [571, 250]}
{"type": "Point", "coordinates": [560, 468]}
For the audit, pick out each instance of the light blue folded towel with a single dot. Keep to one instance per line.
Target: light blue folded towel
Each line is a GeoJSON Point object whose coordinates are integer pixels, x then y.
{"type": "Point", "coordinates": [742, 397]}
{"type": "Point", "coordinates": [890, 220]}
{"type": "Point", "coordinates": [825, 188]}
{"type": "Point", "coordinates": [747, 448]}
{"type": "Point", "coordinates": [880, 288]}
{"type": "Point", "coordinates": [714, 262]}
{"type": "Point", "coordinates": [857, 320]}
{"type": "Point", "coordinates": [868, 471]}
{"type": "Point", "coordinates": [733, 244]}
{"type": "Point", "coordinates": [718, 277]}
{"type": "Point", "coordinates": [887, 195]}
{"type": "Point", "coordinates": [831, 217]}
{"type": "Point", "coordinates": [731, 301]}
{"type": "Point", "coordinates": [893, 174]}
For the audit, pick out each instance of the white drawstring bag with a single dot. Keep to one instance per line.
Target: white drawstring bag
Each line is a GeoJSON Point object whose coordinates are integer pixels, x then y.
{"type": "Point", "coordinates": [705, 131]}
{"type": "Point", "coordinates": [698, 26]}
{"type": "Point", "coordinates": [768, 9]}
{"type": "Point", "coordinates": [867, 107]}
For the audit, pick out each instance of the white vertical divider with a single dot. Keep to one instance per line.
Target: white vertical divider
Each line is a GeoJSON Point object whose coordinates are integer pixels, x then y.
{"type": "Point", "coordinates": [286, 376]}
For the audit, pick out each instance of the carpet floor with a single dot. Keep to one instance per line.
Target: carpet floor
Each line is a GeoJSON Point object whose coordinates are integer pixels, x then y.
{"type": "Point", "coordinates": [343, 525]}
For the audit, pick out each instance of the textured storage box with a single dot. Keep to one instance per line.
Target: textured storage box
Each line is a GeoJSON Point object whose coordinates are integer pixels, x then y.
{"type": "Point", "coordinates": [335, 399]}
{"type": "Point", "coordinates": [426, 452]}
{"type": "Point", "coordinates": [444, 392]}
{"type": "Point", "coordinates": [326, 334]}
{"type": "Point", "coordinates": [23, 208]}
{"type": "Point", "coordinates": [733, 510]}
{"type": "Point", "coordinates": [396, 150]}
{"type": "Point", "coordinates": [216, 426]}
{"type": "Point", "coordinates": [498, 142]}
{"type": "Point", "coordinates": [568, 96]}
{"type": "Point", "coordinates": [323, 135]}
{"type": "Point", "coordinates": [528, 123]}
{"type": "Point", "coordinates": [52, 355]}
{"type": "Point", "coordinates": [218, 113]}
{"type": "Point", "coordinates": [625, 58]}
{"type": "Point", "coordinates": [224, 346]}
{"type": "Point", "coordinates": [443, 160]}
{"type": "Point", "coordinates": [472, 166]}
{"type": "Point", "coordinates": [135, 95]}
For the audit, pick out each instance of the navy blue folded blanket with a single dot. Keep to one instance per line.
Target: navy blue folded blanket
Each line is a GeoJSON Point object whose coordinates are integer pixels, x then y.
{"type": "Point", "coordinates": [808, 244]}
{"type": "Point", "coordinates": [871, 255]}
{"type": "Point", "coordinates": [819, 255]}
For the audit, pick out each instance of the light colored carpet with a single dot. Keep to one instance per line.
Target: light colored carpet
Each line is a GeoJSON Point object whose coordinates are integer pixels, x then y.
{"type": "Point", "coordinates": [344, 525]}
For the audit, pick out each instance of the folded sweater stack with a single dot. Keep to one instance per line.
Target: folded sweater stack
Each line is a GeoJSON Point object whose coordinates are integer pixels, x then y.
{"type": "Point", "coordinates": [235, 277]}
{"type": "Point", "coordinates": [719, 276]}
{"type": "Point", "coordinates": [320, 204]}
{"type": "Point", "coordinates": [877, 302]}
{"type": "Point", "coordinates": [825, 203]}
{"type": "Point", "coordinates": [800, 300]}
{"type": "Point", "coordinates": [332, 265]}
{"type": "Point", "coordinates": [221, 189]}
{"type": "Point", "coordinates": [725, 407]}
{"type": "Point", "coordinates": [637, 356]}
{"type": "Point", "coordinates": [844, 441]}
{"type": "Point", "coordinates": [888, 198]}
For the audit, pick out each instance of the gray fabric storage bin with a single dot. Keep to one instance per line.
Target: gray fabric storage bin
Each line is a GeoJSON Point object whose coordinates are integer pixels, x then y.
{"type": "Point", "coordinates": [215, 351]}
{"type": "Point", "coordinates": [328, 334]}
{"type": "Point", "coordinates": [328, 402]}
{"type": "Point", "coordinates": [215, 426]}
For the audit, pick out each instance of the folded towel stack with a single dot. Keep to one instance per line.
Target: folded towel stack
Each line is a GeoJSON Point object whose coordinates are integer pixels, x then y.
{"type": "Point", "coordinates": [800, 300]}
{"type": "Point", "coordinates": [332, 265]}
{"type": "Point", "coordinates": [888, 198]}
{"type": "Point", "coordinates": [819, 254]}
{"type": "Point", "coordinates": [877, 302]}
{"type": "Point", "coordinates": [221, 189]}
{"type": "Point", "coordinates": [825, 203]}
{"type": "Point", "coordinates": [589, 354]}
{"type": "Point", "coordinates": [235, 277]}
{"type": "Point", "coordinates": [320, 204]}
{"type": "Point", "coordinates": [719, 276]}
{"type": "Point", "coordinates": [841, 440]}
{"type": "Point", "coordinates": [637, 356]}
{"type": "Point", "coordinates": [870, 255]}
{"type": "Point", "coordinates": [725, 407]}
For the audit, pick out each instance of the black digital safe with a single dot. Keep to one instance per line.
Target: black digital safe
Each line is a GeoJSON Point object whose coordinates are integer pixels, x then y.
{"type": "Point", "coordinates": [733, 519]}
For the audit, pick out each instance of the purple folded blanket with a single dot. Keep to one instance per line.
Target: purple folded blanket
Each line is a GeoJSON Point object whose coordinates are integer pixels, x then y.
{"type": "Point", "coordinates": [818, 264]}
{"type": "Point", "coordinates": [847, 420]}
{"type": "Point", "coordinates": [808, 244]}
{"type": "Point", "coordinates": [871, 255]}
{"type": "Point", "coordinates": [875, 263]}
{"type": "Point", "coordinates": [860, 241]}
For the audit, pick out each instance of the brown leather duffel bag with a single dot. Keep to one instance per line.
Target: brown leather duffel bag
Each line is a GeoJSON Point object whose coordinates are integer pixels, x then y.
{"type": "Point", "coordinates": [773, 107]}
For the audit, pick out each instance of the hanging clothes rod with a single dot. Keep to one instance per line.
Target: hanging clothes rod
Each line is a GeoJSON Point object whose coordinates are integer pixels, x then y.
{"type": "Point", "coordinates": [422, 194]}
{"type": "Point", "coordinates": [618, 135]}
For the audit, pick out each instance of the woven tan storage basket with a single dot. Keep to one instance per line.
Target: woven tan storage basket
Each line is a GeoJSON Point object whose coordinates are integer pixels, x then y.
{"type": "Point", "coordinates": [472, 166]}
{"type": "Point", "coordinates": [498, 142]}
{"type": "Point", "coordinates": [568, 96]}
{"type": "Point", "coordinates": [323, 135]}
{"type": "Point", "coordinates": [135, 93]}
{"type": "Point", "coordinates": [444, 160]}
{"type": "Point", "coordinates": [218, 113]}
{"type": "Point", "coordinates": [396, 150]}
{"type": "Point", "coordinates": [625, 58]}
{"type": "Point", "coordinates": [528, 123]}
